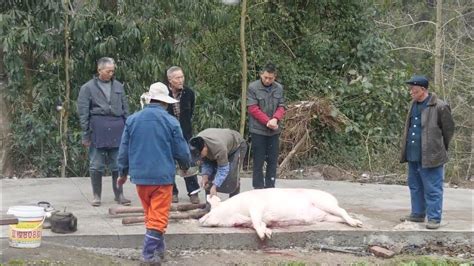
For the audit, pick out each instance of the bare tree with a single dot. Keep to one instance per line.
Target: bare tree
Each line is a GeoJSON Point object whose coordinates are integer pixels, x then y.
{"type": "Point", "coordinates": [64, 111]}
{"type": "Point", "coordinates": [243, 49]}
{"type": "Point", "coordinates": [438, 43]}
{"type": "Point", "coordinates": [451, 47]}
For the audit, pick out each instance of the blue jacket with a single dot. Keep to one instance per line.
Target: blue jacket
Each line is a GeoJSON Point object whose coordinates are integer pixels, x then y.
{"type": "Point", "coordinates": [151, 141]}
{"type": "Point", "coordinates": [413, 145]}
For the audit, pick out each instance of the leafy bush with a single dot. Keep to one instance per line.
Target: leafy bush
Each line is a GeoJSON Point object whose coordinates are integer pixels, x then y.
{"type": "Point", "coordinates": [330, 49]}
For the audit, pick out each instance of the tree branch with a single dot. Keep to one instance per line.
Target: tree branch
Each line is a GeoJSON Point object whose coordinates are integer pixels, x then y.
{"type": "Point", "coordinates": [412, 47]}
{"type": "Point", "coordinates": [406, 25]}
{"type": "Point", "coordinates": [460, 15]}
{"type": "Point", "coordinates": [281, 39]}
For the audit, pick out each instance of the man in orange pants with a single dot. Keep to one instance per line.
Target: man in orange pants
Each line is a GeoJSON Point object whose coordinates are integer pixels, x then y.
{"type": "Point", "coordinates": [151, 142]}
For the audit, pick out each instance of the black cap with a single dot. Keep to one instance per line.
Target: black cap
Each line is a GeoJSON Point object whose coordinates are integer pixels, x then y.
{"type": "Point", "coordinates": [418, 81]}
{"type": "Point", "coordinates": [196, 145]}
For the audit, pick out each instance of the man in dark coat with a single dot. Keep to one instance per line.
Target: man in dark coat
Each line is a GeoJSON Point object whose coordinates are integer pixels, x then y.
{"type": "Point", "coordinates": [183, 111]}
{"type": "Point", "coordinates": [429, 128]}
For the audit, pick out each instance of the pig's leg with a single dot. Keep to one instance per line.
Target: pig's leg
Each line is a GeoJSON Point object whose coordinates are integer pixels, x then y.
{"type": "Point", "coordinates": [332, 218]}
{"type": "Point", "coordinates": [340, 212]}
{"type": "Point", "coordinates": [257, 222]}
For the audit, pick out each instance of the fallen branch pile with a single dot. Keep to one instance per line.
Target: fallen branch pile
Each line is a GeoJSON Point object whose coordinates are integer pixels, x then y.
{"type": "Point", "coordinates": [300, 118]}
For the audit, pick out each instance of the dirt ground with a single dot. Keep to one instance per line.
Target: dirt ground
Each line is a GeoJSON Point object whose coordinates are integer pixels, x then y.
{"type": "Point", "coordinates": [51, 254]}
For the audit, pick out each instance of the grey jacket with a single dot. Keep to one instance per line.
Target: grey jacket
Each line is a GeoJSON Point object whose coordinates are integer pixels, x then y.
{"type": "Point", "coordinates": [437, 130]}
{"type": "Point", "coordinates": [268, 101]}
{"type": "Point", "coordinates": [92, 101]}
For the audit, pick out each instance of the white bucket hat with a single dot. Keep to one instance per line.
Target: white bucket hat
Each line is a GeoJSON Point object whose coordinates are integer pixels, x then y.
{"type": "Point", "coordinates": [158, 91]}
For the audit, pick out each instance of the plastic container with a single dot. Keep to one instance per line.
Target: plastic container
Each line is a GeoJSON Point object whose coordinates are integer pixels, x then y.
{"type": "Point", "coordinates": [27, 233]}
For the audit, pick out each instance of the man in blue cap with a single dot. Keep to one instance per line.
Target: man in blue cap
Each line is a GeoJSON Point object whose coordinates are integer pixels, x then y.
{"type": "Point", "coordinates": [429, 128]}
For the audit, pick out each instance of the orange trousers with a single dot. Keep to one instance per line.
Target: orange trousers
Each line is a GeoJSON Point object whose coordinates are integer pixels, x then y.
{"type": "Point", "coordinates": [156, 202]}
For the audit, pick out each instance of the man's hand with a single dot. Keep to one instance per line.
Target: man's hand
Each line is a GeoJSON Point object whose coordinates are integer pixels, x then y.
{"type": "Point", "coordinates": [273, 124]}
{"type": "Point", "coordinates": [213, 191]}
{"type": "Point", "coordinates": [86, 142]}
{"type": "Point", "coordinates": [121, 180]}
{"type": "Point", "coordinates": [204, 181]}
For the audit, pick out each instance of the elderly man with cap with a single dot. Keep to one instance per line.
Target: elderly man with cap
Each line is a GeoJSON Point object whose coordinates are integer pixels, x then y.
{"type": "Point", "coordinates": [220, 150]}
{"type": "Point", "coordinates": [429, 128]}
{"type": "Point", "coordinates": [151, 142]}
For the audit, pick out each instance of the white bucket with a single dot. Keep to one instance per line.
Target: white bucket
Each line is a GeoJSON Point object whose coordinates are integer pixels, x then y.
{"type": "Point", "coordinates": [27, 233]}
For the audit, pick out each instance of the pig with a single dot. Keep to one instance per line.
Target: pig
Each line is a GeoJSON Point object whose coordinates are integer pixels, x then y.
{"type": "Point", "coordinates": [273, 207]}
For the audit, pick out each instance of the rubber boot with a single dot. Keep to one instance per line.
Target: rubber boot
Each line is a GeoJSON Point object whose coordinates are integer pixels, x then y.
{"type": "Point", "coordinates": [153, 247]}
{"type": "Point", "coordinates": [96, 181]}
{"type": "Point", "coordinates": [118, 191]}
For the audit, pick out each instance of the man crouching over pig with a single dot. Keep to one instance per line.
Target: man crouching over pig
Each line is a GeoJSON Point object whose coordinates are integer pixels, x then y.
{"type": "Point", "coordinates": [220, 151]}
{"type": "Point", "coordinates": [151, 141]}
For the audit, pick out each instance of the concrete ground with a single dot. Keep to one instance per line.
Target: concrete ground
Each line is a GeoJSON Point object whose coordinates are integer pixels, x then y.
{"type": "Point", "coordinates": [377, 206]}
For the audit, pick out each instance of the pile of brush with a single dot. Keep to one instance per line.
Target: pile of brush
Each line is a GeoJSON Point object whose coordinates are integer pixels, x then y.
{"type": "Point", "coordinates": [301, 119]}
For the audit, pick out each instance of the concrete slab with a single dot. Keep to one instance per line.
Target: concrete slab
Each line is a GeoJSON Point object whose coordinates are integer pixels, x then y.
{"type": "Point", "coordinates": [377, 206]}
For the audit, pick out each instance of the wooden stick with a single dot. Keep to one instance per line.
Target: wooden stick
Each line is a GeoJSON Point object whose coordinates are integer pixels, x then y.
{"type": "Point", "coordinates": [133, 220]}
{"type": "Point", "coordinates": [187, 207]}
{"type": "Point", "coordinates": [121, 210]}
{"type": "Point", "coordinates": [293, 151]}
{"type": "Point", "coordinates": [177, 207]}
{"type": "Point", "coordinates": [192, 214]}
{"type": "Point", "coordinates": [8, 219]}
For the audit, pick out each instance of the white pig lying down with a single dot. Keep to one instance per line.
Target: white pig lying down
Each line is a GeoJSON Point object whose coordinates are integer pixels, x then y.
{"type": "Point", "coordinates": [263, 208]}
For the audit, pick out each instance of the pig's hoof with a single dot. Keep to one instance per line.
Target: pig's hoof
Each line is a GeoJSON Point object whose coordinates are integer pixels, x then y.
{"type": "Point", "coordinates": [261, 234]}
{"type": "Point", "coordinates": [355, 223]}
{"type": "Point", "coordinates": [358, 223]}
{"type": "Point", "coordinates": [268, 233]}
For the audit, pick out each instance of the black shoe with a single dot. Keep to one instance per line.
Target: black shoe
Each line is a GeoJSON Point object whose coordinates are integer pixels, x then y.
{"type": "Point", "coordinates": [432, 224]}
{"type": "Point", "coordinates": [122, 200]}
{"type": "Point", "coordinates": [175, 198]}
{"type": "Point", "coordinates": [411, 218]}
{"type": "Point", "coordinates": [194, 199]}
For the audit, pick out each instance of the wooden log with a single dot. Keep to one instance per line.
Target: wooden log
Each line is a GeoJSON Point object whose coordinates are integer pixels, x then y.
{"type": "Point", "coordinates": [8, 219]}
{"type": "Point", "coordinates": [192, 214]}
{"type": "Point", "coordinates": [174, 207]}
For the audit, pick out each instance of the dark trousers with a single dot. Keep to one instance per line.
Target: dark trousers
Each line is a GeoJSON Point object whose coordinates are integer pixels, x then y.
{"type": "Point", "coordinates": [191, 185]}
{"type": "Point", "coordinates": [191, 182]}
{"type": "Point", "coordinates": [101, 157]}
{"type": "Point", "coordinates": [265, 149]}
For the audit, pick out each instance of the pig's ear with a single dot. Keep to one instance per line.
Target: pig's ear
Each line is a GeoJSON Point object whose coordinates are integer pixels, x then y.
{"type": "Point", "coordinates": [213, 200]}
